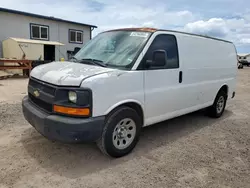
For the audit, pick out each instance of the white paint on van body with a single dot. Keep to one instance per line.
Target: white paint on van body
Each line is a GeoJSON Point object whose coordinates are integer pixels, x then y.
{"type": "Point", "coordinates": [66, 73]}
{"type": "Point", "coordinates": [207, 65]}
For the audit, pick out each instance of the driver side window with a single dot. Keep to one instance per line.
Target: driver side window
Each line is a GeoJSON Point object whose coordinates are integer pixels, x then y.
{"type": "Point", "coordinates": [166, 43]}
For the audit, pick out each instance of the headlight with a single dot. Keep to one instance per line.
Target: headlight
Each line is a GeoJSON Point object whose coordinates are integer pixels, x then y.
{"type": "Point", "coordinates": [72, 96]}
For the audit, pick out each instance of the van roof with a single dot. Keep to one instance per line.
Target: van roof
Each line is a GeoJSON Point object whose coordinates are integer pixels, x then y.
{"type": "Point", "coordinates": [152, 30]}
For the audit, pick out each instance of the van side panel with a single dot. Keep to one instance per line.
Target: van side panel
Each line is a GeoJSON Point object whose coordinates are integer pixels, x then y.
{"type": "Point", "coordinates": [207, 65]}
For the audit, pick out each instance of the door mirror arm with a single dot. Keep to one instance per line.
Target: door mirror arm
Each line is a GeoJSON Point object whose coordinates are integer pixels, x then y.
{"type": "Point", "coordinates": [148, 64]}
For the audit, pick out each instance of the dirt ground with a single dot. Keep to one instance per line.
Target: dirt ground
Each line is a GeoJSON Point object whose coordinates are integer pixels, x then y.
{"type": "Point", "coordinates": [190, 151]}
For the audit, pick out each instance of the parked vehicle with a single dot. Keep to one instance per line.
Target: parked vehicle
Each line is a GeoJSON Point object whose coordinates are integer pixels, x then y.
{"type": "Point", "coordinates": [245, 62]}
{"type": "Point", "coordinates": [240, 66]}
{"type": "Point", "coordinates": [126, 79]}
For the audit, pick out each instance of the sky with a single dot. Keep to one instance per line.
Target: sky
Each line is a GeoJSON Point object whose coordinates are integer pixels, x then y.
{"type": "Point", "coordinates": [226, 19]}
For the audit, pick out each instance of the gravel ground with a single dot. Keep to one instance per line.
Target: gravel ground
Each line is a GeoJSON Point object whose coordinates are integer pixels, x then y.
{"type": "Point", "coordinates": [189, 151]}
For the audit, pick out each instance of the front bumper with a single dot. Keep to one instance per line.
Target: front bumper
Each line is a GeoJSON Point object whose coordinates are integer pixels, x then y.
{"type": "Point", "coordinates": [64, 129]}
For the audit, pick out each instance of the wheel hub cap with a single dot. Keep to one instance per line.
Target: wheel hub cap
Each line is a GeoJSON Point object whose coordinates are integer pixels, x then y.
{"type": "Point", "coordinates": [121, 133]}
{"type": "Point", "coordinates": [124, 133]}
{"type": "Point", "coordinates": [220, 104]}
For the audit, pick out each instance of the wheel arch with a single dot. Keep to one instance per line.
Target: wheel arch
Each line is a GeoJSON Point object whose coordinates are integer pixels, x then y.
{"type": "Point", "coordinates": [134, 104]}
{"type": "Point", "coordinates": [224, 88]}
{"type": "Point", "coordinates": [212, 111]}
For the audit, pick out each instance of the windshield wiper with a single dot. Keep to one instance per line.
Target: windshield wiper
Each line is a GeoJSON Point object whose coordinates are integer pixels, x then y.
{"type": "Point", "coordinates": [94, 62]}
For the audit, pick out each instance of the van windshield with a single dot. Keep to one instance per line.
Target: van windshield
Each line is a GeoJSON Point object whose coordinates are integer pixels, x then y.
{"type": "Point", "coordinates": [114, 49]}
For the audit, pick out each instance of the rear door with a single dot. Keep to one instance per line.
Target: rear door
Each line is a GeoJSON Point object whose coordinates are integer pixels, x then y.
{"type": "Point", "coordinates": [162, 86]}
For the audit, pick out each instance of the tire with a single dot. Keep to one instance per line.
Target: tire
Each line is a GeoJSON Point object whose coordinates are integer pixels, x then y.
{"type": "Point", "coordinates": [218, 107]}
{"type": "Point", "coordinates": [117, 125]}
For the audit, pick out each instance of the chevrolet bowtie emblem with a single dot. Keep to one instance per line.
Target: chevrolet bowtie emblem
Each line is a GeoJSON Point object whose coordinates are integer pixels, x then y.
{"type": "Point", "coordinates": [36, 93]}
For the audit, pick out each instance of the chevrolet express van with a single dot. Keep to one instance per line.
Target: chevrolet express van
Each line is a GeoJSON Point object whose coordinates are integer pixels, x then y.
{"type": "Point", "coordinates": [126, 79]}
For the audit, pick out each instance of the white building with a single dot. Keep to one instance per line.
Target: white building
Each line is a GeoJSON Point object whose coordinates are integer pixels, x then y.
{"type": "Point", "coordinates": [28, 26]}
{"type": "Point", "coordinates": [244, 57]}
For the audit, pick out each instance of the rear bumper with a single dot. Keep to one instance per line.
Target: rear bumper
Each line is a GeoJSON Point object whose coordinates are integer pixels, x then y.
{"type": "Point", "coordinates": [64, 129]}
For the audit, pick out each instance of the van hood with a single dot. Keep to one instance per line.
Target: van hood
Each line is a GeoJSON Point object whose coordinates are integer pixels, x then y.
{"type": "Point", "coordinates": [66, 73]}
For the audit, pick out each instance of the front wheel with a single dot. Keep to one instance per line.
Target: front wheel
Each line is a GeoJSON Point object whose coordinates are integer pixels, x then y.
{"type": "Point", "coordinates": [121, 132]}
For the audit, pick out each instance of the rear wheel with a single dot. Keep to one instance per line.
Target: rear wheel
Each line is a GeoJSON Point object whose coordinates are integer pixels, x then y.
{"type": "Point", "coordinates": [121, 132]}
{"type": "Point", "coordinates": [217, 109]}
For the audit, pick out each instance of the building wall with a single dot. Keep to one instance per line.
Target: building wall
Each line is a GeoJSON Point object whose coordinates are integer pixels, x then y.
{"type": "Point", "coordinates": [240, 58]}
{"type": "Point", "coordinates": [18, 26]}
{"type": "Point", "coordinates": [248, 58]}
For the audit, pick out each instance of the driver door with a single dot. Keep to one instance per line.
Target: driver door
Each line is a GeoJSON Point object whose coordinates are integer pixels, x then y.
{"type": "Point", "coordinates": [163, 80]}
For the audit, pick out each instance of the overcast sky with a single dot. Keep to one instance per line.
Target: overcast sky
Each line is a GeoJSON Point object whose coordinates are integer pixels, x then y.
{"type": "Point", "coordinates": [227, 19]}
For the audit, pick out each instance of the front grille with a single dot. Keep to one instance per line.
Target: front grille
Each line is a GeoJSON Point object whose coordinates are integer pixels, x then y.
{"type": "Point", "coordinates": [43, 87]}
{"type": "Point", "coordinates": [41, 104]}
{"type": "Point", "coordinates": [41, 100]}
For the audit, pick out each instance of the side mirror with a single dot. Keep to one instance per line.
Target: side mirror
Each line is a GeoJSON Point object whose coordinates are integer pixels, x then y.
{"type": "Point", "coordinates": [76, 50]}
{"type": "Point", "coordinates": [159, 59]}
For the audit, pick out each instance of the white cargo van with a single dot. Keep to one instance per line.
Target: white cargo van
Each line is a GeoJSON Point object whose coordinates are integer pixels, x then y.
{"type": "Point", "coordinates": [125, 79]}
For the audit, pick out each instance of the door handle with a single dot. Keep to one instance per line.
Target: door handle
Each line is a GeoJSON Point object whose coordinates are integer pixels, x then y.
{"type": "Point", "coordinates": [180, 77]}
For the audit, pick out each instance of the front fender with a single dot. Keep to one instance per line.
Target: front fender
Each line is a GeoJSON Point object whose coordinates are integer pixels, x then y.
{"type": "Point", "coordinates": [124, 102]}
{"type": "Point", "coordinates": [110, 90]}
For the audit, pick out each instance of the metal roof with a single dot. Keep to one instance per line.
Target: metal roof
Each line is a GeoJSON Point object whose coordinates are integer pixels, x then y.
{"type": "Point", "coordinates": [20, 40]}
{"type": "Point", "coordinates": [43, 17]}
{"type": "Point", "coordinates": [147, 29]}
{"type": "Point", "coordinates": [152, 30]}
{"type": "Point", "coordinates": [243, 55]}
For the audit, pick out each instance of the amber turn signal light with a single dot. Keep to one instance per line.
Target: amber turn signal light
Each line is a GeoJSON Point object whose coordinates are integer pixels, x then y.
{"type": "Point", "coordinates": [71, 111]}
